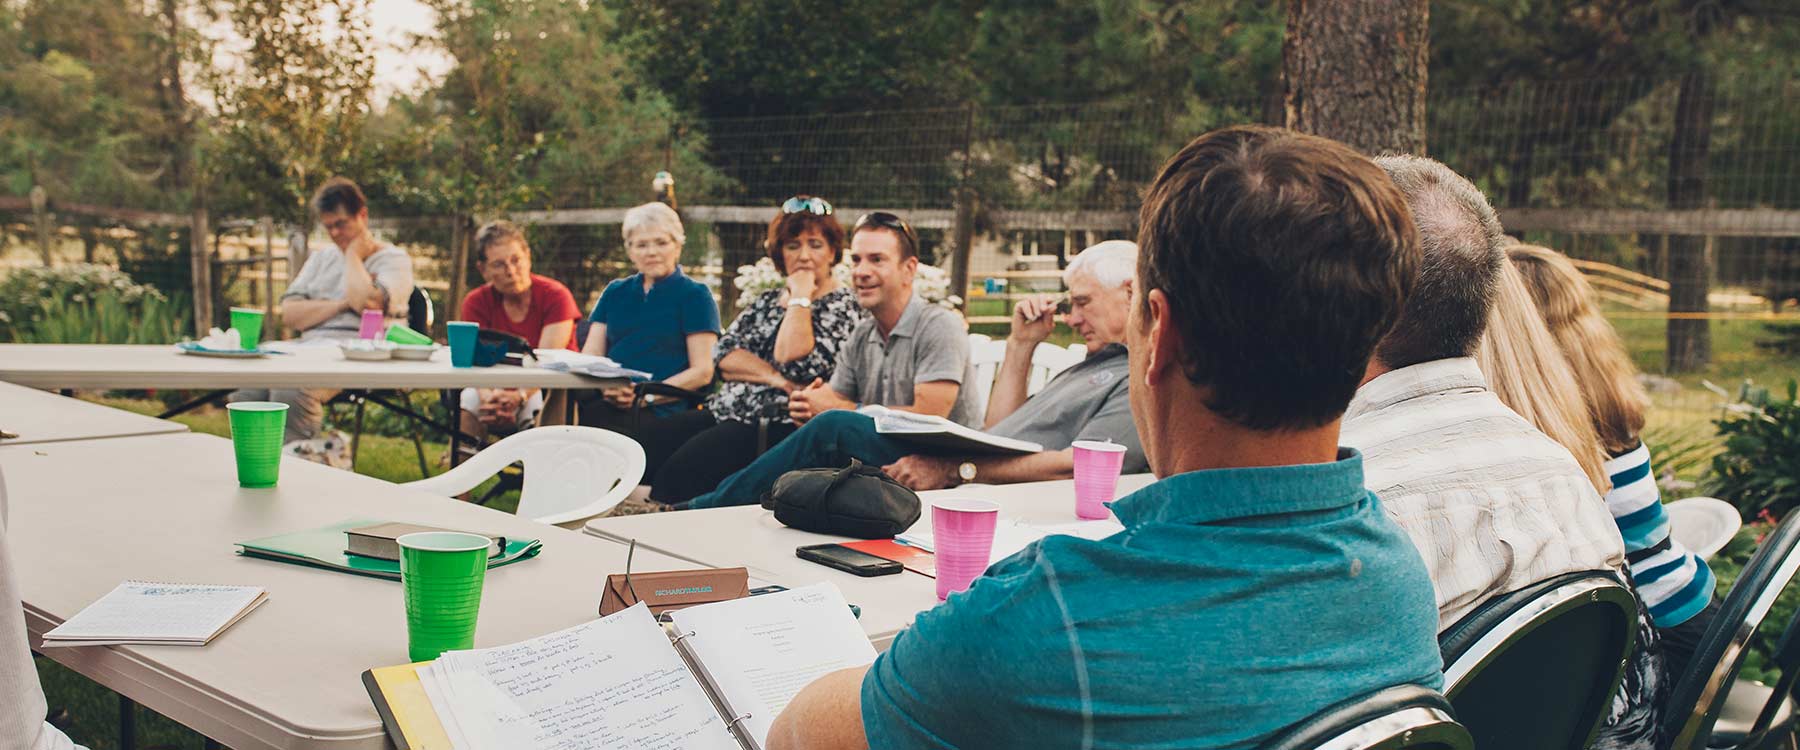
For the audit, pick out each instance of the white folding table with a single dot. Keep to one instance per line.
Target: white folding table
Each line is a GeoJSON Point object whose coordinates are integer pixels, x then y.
{"type": "Point", "coordinates": [36, 416]}
{"type": "Point", "coordinates": [85, 515]}
{"type": "Point", "coordinates": [312, 365]}
{"type": "Point", "coordinates": [749, 536]}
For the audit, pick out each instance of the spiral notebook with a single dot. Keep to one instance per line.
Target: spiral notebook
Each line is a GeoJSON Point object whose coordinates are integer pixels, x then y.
{"type": "Point", "coordinates": [714, 680]}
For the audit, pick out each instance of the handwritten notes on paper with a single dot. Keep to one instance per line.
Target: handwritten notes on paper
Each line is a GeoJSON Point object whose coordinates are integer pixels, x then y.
{"type": "Point", "coordinates": [761, 651]}
{"type": "Point", "coordinates": [614, 683]}
{"type": "Point", "coordinates": [157, 613]}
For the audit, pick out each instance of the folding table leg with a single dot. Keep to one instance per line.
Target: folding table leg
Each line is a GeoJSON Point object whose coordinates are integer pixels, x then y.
{"type": "Point", "coordinates": [127, 723]}
{"type": "Point", "coordinates": [362, 402]}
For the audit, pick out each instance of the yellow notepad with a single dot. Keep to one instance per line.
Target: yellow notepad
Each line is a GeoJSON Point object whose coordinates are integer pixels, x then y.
{"type": "Point", "coordinates": [405, 710]}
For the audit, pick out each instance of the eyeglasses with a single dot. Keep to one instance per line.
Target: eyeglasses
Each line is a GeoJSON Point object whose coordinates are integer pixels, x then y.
{"type": "Point", "coordinates": [814, 206]}
{"type": "Point", "coordinates": [886, 220]}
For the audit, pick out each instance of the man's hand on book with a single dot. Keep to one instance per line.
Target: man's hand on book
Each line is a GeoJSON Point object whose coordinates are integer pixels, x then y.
{"type": "Point", "coordinates": [921, 473]}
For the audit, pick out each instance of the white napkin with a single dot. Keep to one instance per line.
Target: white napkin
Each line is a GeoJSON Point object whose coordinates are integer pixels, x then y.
{"type": "Point", "coordinates": [227, 339]}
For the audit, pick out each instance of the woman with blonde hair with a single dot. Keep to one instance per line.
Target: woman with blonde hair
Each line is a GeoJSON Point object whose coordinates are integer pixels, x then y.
{"type": "Point", "coordinates": [1531, 376]}
{"type": "Point", "coordinates": [1528, 372]}
{"type": "Point", "coordinates": [1675, 583]}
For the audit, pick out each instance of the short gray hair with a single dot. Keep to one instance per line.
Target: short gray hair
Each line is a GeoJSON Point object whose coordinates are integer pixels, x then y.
{"type": "Point", "coordinates": [1112, 263]}
{"type": "Point", "coordinates": [654, 216]}
{"type": "Point", "coordinates": [1462, 250]}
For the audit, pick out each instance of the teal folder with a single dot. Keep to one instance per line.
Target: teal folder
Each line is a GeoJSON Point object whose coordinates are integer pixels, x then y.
{"type": "Point", "coordinates": [324, 548]}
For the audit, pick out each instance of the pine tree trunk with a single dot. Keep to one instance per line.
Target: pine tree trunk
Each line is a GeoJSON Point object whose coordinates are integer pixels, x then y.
{"type": "Point", "coordinates": [1690, 256]}
{"type": "Point", "coordinates": [1355, 72]}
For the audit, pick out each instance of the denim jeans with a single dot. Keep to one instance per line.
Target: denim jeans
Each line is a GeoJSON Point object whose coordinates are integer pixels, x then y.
{"type": "Point", "coordinates": [829, 440]}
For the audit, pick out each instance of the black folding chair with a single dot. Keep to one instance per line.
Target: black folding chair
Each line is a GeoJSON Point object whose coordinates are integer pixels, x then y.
{"type": "Point", "coordinates": [1403, 717]}
{"type": "Point", "coordinates": [1537, 668]}
{"type": "Point", "coordinates": [419, 316]}
{"type": "Point", "coordinates": [1711, 707]}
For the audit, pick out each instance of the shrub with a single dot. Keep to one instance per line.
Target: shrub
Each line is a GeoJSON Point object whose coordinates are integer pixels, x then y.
{"type": "Point", "coordinates": [104, 318]}
{"type": "Point", "coordinates": [84, 303]}
{"type": "Point", "coordinates": [1759, 469]}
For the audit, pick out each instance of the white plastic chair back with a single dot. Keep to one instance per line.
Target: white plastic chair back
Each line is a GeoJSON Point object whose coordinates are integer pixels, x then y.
{"type": "Point", "coordinates": [985, 354]}
{"type": "Point", "coordinates": [571, 473]}
{"type": "Point", "coordinates": [1048, 360]}
{"type": "Point", "coordinates": [1703, 524]}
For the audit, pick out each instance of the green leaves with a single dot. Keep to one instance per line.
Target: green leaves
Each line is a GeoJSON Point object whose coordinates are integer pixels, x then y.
{"type": "Point", "coordinates": [86, 304]}
{"type": "Point", "coordinates": [1760, 467]}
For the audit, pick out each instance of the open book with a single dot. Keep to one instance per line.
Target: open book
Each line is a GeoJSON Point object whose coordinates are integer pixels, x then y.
{"type": "Point", "coordinates": [938, 432]}
{"type": "Point", "coordinates": [716, 682]}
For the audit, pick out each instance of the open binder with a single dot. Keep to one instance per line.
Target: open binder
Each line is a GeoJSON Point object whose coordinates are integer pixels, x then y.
{"type": "Point", "coordinates": [715, 679]}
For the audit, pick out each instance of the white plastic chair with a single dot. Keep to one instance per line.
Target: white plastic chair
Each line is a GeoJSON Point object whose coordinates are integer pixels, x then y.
{"type": "Point", "coordinates": [986, 354]}
{"type": "Point", "coordinates": [1046, 361]}
{"type": "Point", "coordinates": [571, 473]}
{"type": "Point", "coordinates": [1703, 524]}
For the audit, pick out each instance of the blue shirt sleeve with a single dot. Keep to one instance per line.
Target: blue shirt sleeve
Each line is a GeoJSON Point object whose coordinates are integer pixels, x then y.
{"type": "Point", "coordinates": [699, 314]}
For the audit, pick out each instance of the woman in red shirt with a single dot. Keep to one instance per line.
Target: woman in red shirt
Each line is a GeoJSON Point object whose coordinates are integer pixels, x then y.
{"type": "Point", "coordinates": [536, 308]}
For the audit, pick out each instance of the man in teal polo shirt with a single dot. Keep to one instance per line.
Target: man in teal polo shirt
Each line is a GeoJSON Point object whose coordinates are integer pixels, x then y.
{"type": "Point", "coordinates": [1258, 581]}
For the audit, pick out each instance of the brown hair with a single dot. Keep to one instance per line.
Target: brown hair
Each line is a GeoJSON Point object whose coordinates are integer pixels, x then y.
{"type": "Point", "coordinates": [497, 233]}
{"type": "Point", "coordinates": [1285, 258]}
{"type": "Point", "coordinates": [786, 227]}
{"type": "Point", "coordinates": [338, 194]}
{"type": "Point", "coordinates": [1616, 401]}
{"type": "Point", "coordinates": [1530, 375]}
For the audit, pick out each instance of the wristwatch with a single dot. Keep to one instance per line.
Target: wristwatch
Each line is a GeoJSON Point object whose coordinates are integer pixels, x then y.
{"type": "Point", "coordinates": [966, 471]}
{"type": "Point", "coordinates": [800, 302]}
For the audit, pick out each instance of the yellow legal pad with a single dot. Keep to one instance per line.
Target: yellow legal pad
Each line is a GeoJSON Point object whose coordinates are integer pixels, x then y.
{"type": "Point", "coordinates": [405, 710]}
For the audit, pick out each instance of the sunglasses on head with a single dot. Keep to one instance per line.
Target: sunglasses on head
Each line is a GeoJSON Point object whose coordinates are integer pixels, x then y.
{"type": "Point", "coordinates": [814, 206]}
{"type": "Point", "coordinates": [886, 220]}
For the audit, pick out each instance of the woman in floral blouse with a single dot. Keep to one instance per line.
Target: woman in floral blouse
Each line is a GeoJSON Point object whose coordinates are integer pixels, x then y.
{"type": "Point", "coordinates": [785, 339]}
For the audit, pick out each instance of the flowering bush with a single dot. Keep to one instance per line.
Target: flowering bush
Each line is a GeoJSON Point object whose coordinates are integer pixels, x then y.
{"type": "Point", "coordinates": [30, 296]}
{"type": "Point", "coordinates": [932, 283]}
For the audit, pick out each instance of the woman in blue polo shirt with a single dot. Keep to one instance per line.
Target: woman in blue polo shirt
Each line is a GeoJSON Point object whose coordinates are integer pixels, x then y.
{"type": "Point", "coordinates": [657, 320]}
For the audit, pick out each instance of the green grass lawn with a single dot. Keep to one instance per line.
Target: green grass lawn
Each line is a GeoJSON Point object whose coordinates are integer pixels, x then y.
{"type": "Point", "coordinates": [94, 708]}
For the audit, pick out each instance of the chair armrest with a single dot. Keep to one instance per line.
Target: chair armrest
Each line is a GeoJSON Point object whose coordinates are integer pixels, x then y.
{"type": "Point", "coordinates": [664, 390]}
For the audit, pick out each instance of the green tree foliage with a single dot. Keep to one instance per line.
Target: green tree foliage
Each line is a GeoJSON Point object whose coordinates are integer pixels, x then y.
{"type": "Point", "coordinates": [540, 110]}
{"type": "Point", "coordinates": [727, 58]}
{"type": "Point", "coordinates": [293, 114]}
{"type": "Point", "coordinates": [81, 102]}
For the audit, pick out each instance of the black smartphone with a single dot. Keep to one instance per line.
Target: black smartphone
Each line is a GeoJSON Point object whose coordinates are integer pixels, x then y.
{"type": "Point", "coordinates": [848, 560]}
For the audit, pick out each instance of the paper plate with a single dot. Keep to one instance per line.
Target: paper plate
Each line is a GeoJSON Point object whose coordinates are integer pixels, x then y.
{"type": "Point", "coordinates": [189, 347]}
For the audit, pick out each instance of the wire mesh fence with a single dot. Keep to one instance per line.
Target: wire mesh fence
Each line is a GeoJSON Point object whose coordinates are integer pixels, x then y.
{"type": "Point", "coordinates": [1682, 194]}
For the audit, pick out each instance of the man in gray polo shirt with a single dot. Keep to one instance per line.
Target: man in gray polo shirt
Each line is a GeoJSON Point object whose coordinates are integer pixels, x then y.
{"type": "Point", "coordinates": [908, 354]}
{"type": "Point", "coordinates": [1087, 401]}
{"type": "Point", "coordinates": [326, 299]}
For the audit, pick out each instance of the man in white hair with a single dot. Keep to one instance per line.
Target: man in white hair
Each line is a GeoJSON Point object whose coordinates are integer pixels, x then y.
{"type": "Point", "coordinates": [1088, 401]}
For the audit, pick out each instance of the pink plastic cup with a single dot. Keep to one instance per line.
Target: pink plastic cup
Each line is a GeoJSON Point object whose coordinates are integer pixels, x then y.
{"type": "Point", "coordinates": [962, 532]}
{"type": "Point", "coordinates": [1097, 467]}
{"type": "Point", "coordinates": [374, 322]}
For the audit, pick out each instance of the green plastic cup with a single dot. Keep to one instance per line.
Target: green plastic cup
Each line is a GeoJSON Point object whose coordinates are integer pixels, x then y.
{"type": "Point", "coordinates": [256, 430]}
{"type": "Point", "coordinates": [440, 578]}
{"type": "Point", "coordinates": [248, 323]}
{"type": "Point", "coordinates": [400, 334]}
